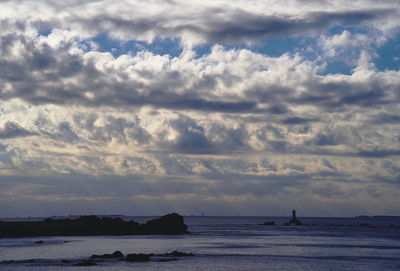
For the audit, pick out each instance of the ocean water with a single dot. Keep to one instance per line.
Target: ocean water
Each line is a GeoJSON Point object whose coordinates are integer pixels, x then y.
{"type": "Point", "coordinates": [226, 243]}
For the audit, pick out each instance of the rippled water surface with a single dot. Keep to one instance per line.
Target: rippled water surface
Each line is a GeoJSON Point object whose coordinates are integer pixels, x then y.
{"type": "Point", "coordinates": [225, 243]}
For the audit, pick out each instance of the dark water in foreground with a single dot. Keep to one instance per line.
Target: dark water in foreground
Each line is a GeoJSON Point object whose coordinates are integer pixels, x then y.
{"type": "Point", "coordinates": [227, 243]}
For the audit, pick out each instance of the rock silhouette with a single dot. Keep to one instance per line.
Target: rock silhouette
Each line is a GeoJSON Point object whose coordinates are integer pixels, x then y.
{"type": "Point", "coordinates": [117, 256]}
{"type": "Point", "coordinates": [168, 224]}
{"type": "Point", "coordinates": [269, 223]}
{"type": "Point", "coordinates": [140, 257]}
{"type": "Point", "coordinates": [85, 263]}
{"type": "Point", "coordinates": [93, 225]}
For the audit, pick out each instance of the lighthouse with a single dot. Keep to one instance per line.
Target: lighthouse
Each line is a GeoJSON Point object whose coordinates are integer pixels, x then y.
{"type": "Point", "coordinates": [294, 221]}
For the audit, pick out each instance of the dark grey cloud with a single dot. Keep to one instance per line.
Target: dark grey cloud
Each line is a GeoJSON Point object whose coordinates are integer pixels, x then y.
{"type": "Point", "coordinates": [230, 26]}
{"type": "Point", "coordinates": [13, 130]}
{"type": "Point", "coordinates": [278, 109]}
{"type": "Point", "coordinates": [66, 132]}
{"type": "Point", "coordinates": [60, 132]}
{"type": "Point", "coordinates": [378, 153]}
{"type": "Point", "coordinates": [3, 147]}
{"type": "Point", "coordinates": [193, 138]}
{"type": "Point", "coordinates": [244, 26]}
{"type": "Point", "coordinates": [211, 106]}
{"type": "Point", "coordinates": [298, 120]}
{"type": "Point", "coordinates": [384, 118]}
{"type": "Point", "coordinates": [326, 140]}
{"type": "Point", "coordinates": [230, 23]}
{"type": "Point", "coordinates": [333, 96]}
{"type": "Point", "coordinates": [190, 138]}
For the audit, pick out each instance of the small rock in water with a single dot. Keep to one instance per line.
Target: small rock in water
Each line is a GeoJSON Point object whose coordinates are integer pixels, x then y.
{"type": "Point", "coordinates": [39, 242]}
{"type": "Point", "coordinates": [116, 254]}
{"type": "Point", "coordinates": [176, 253]}
{"type": "Point", "coordinates": [269, 223]}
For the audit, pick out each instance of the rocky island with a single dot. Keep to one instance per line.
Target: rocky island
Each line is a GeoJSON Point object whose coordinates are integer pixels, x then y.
{"type": "Point", "coordinates": [93, 225]}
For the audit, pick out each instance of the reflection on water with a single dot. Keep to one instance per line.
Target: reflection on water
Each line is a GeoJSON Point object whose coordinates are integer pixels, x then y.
{"type": "Point", "coordinates": [221, 243]}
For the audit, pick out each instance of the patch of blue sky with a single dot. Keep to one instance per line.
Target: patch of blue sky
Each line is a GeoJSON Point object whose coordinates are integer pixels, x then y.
{"type": "Point", "coordinates": [169, 46]}
{"type": "Point", "coordinates": [160, 46]}
{"type": "Point", "coordinates": [389, 55]}
{"type": "Point", "coordinates": [336, 67]}
{"type": "Point", "coordinates": [271, 47]}
{"type": "Point", "coordinates": [45, 32]}
{"type": "Point", "coordinates": [339, 29]}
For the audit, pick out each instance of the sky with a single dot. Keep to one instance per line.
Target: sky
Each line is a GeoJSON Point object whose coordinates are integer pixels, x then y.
{"type": "Point", "coordinates": [223, 107]}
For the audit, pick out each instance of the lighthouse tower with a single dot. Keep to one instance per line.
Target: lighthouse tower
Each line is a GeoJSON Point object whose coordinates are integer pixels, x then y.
{"type": "Point", "coordinates": [294, 221]}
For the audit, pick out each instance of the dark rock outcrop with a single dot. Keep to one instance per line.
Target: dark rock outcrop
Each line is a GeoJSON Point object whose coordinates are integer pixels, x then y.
{"type": "Point", "coordinates": [176, 253]}
{"type": "Point", "coordinates": [168, 224]}
{"type": "Point", "coordinates": [18, 261]}
{"type": "Point", "coordinates": [85, 263]}
{"type": "Point", "coordinates": [116, 255]}
{"type": "Point", "coordinates": [269, 223]}
{"type": "Point", "coordinates": [366, 225]}
{"type": "Point", "coordinates": [137, 257]}
{"type": "Point", "coordinates": [164, 257]}
{"type": "Point", "coordinates": [168, 260]}
{"type": "Point", "coordinates": [93, 225]}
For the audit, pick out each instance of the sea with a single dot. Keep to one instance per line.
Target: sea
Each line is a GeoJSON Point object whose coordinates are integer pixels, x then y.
{"type": "Point", "coordinates": [225, 243]}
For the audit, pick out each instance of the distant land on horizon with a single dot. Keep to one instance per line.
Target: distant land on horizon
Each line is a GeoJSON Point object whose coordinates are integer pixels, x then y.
{"type": "Point", "coordinates": [34, 218]}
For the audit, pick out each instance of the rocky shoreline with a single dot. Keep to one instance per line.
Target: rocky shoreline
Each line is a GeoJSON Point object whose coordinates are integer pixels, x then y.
{"type": "Point", "coordinates": [92, 226]}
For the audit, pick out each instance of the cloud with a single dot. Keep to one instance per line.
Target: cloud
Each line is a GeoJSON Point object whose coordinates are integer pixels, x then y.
{"type": "Point", "coordinates": [326, 140]}
{"type": "Point", "coordinates": [189, 20]}
{"type": "Point", "coordinates": [13, 130]}
{"type": "Point", "coordinates": [245, 27]}
{"type": "Point", "coordinates": [232, 81]}
{"type": "Point", "coordinates": [297, 120]}
{"type": "Point", "coordinates": [385, 118]}
{"type": "Point", "coordinates": [225, 122]}
{"type": "Point", "coordinates": [379, 153]}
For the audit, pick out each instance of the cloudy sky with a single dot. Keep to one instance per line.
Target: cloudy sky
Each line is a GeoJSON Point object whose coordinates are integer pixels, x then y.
{"type": "Point", "coordinates": [224, 107]}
